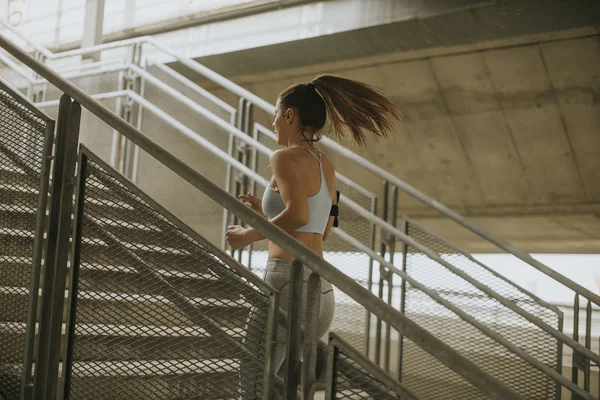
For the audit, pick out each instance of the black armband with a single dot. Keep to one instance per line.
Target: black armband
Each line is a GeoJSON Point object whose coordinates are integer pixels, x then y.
{"type": "Point", "coordinates": [335, 211]}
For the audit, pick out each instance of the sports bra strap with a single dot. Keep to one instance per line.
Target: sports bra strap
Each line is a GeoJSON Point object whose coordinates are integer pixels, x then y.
{"type": "Point", "coordinates": [313, 154]}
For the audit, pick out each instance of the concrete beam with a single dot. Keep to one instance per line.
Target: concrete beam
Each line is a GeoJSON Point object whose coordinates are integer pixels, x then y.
{"type": "Point", "coordinates": [93, 26]}
{"type": "Point", "coordinates": [422, 29]}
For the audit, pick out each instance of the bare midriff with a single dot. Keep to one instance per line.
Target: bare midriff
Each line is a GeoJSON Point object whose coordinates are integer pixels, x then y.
{"type": "Point", "coordinates": [313, 241]}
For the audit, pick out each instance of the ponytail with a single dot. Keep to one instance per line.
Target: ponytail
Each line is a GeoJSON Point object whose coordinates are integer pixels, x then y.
{"type": "Point", "coordinates": [355, 107]}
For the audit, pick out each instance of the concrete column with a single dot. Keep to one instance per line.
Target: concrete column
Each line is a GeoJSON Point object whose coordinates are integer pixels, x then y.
{"type": "Point", "coordinates": [92, 27]}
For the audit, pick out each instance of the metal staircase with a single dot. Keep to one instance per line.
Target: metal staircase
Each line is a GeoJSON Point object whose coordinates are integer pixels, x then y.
{"type": "Point", "coordinates": [140, 301]}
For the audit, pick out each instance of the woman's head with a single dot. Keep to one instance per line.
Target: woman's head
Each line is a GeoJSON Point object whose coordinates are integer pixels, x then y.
{"type": "Point", "coordinates": [352, 106]}
{"type": "Point", "coordinates": [299, 110]}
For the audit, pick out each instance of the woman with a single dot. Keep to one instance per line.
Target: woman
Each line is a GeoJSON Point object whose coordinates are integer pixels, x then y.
{"type": "Point", "coordinates": [301, 193]}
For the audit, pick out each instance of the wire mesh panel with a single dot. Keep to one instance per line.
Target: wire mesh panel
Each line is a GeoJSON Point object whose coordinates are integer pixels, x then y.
{"type": "Point", "coordinates": [158, 314]}
{"type": "Point", "coordinates": [419, 368]}
{"type": "Point", "coordinates": [352, 376]}
{"type": "Point", "coordinates": [23, 176]}
{"type": "Point", "coordinates": [94, 133]}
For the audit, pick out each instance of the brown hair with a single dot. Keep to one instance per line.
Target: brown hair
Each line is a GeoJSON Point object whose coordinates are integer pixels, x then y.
{"type": "Point", "coordinates": [350, 104]}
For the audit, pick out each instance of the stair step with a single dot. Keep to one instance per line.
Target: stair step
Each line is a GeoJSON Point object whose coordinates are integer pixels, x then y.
{"type": "Point", "coordinates": [24, 218]}
{"type": "Point", "coordinates": [16, 272]}
{"type": "Point", "coordinates": [201, 381]}
{"type": "Point", "coordinates": [143, 380]}
{"type": "Point", "coordinates": [95, 307]}
{"type": "Point", "coordinates": [16, 175]}
{"type": "Point", "coordinates": [17, 217]}
{"type": "Point", "coordinates": [18, 208]}
{"type": "Point", "coordinates": [19, 196]}
{"type": "Point", "coordinates": [101, 342]}
{"type": "Point", "coordinates": [98, 201]}
{"type": "Point", "coordinates": [19, 243]}
{"type": "Point", "coordinates": [144, 368]}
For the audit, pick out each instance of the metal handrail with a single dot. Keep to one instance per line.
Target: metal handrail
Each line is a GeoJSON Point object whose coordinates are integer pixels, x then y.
{"type": "Point", "coordinates": [197, 89]}
{"type": "Point", "coordinates": [378, 171]}
{"type": "Point", "coordinates": [99, 96]}
{"type": "Point", "coordinates": [288, 243]}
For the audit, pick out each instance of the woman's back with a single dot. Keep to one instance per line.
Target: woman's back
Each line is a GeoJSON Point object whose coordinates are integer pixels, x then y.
{"type": "Point", "coordinates": [304, 158]}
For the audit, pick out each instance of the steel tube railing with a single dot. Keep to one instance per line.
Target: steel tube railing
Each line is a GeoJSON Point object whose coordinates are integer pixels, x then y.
{"type": "Point", "coordinates": [46, 303]}
{"type": "Point", "coordinates": [6, 60]}
{"type": "Point", "coordinates": [100, 96]}
{"type": "Point", "coordinates": [405, 326]}
{"type": "Point", "coordinates": [197, 89]}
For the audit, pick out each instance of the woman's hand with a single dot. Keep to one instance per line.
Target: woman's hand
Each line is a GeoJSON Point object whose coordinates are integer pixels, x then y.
{"type": "Point", "coordinates": [253, 202]}
{"type": "Point", "coordinates": [239, 237]}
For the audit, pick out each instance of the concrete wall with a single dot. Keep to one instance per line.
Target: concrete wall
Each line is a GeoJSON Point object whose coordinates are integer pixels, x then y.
{"type": "Point", "coordinates": [507, 135]}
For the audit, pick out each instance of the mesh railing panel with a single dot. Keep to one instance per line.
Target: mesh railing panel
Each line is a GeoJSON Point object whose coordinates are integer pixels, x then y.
{"type": "Point", "coordinates": [157, 315]}
{"type": "Point", "coordinates": [353, 379]}
{"type": "Point", "coordinates": [95, 134]}
{"type": "Point", "coordinates": [483, 275]}
{"type": "Point", "coordinates": [22, 142]}
{"type": "Point", "coordinates": [427, 378]}
{"type": "Point", "coordinates": [190, 205]}
{"type": "Point", "coordinates": [162, 99]}
{"type": "Point", "coordinates": [462, 336]}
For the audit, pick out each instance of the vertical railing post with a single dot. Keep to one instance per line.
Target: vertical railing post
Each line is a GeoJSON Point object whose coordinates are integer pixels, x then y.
{"type": "Point", "coordinates": [383, 249]}
{"type": "Point", "coordinates": [254, 166]}
{"type": "Point", "coordinates": [38, 245]}
{"type": "Point", "coordinates": [588, 344]}
{"type": "Point", "coordinates": [115, 151]}
{"type": "Point", "coordinates": [332, 360]}
{"type": "Point", "coordinates": [271, 335]}
{"type": "Point", "coordinates": [248, 161]}
{"type": "Point", "coordinates": [132, 114]}
{"type": "Point", "coordinates": [290, 381]}
{"type": "Point", "coordinates": [74, 278]}
{"type": "Point", "coordinates": [576, 356]}
{"type": "Point", "coordinates": [390, 278]}
{"type": "Point", "coordinates": [228, 180]}
{"type": "Point", "coordinates": [370, 280]}
{"type": "Point", "coordinates": [559, 357]}
{"type": "Point", "coordinates": [243, 149]}
{"type": "Point", "coordinates": [41, 371]}
{"type": "Point", "coordinates": [63, 252]}
{"type": "Point", "coordinates": [311, 332]}
{"type": "Point", "coordinates": [402, 302]}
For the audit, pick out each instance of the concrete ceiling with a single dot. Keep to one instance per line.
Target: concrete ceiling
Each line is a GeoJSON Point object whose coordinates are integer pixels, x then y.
{"type": "Point", "coordinates": [454, 23]}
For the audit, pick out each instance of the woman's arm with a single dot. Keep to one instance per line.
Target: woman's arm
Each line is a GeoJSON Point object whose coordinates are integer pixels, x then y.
{"type": "Point", "coordinates": [328, 228]}
{"type": "Point", "coordinates": [294, 196]}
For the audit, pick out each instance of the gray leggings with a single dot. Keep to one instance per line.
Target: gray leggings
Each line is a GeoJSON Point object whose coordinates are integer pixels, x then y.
{"type": "Point", "coordinates": [277, 274]}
